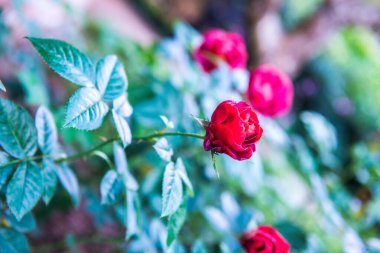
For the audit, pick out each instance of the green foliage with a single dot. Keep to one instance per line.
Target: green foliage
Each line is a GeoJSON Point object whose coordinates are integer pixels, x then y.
{"type": "Point", "coordinates": [69, 182]}
{"type": "Point", "coordinates": [24, 189]}
{"type": "Point", "coordinates": [111, 80]}
{"type": "Point", "coordinates": [12, 242]}
{"type": "Point", "coordinates": [66, 60]}
{"type": "Point", "coordinates": [105, 82]}
{"type": "Point", "coordinates": [18, 136]}
{"type": "Point", "coordinates": [49, 178]}
{"type": "Point", "coordinates": [294, 12]}
{"type": "Point", "coordinates": [5, 170]}
{"type": "Point", "coordinates": [132, 214]}
{"type": "Point", "coordinates": [199, 247]}
{"type": "Point", "coordinates": [184, 177]}
{"type": "Point", "coordinates": [355, 53]}
{"type": "Point", "coordinates": [86, 110]}
{"type": "Point", "coordinates": [46, 131]}
{"type": "Point", "coordinates": [120, 112]}
{"type": "Point", "coordinates": [111, 188]}
{"type": "Point", "coordinates": [294, 234]}
{"type": "Point", "coordinates": [121, 164]}
{"type": "Point", "coordinates": [171, 190]}
{"type": "Point", "coordinates": [175, 222]}
{"type": "Point", "coordinates": [26, 224]}
{"type": "Point", "coordinates": [163, 150]}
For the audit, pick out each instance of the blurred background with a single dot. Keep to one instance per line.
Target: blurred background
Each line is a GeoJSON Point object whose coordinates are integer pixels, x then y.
{"type": "Point", "coordinates": [330, 48]}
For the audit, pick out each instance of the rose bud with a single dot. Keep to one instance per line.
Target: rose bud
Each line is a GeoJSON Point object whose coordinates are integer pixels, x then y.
{"type": "Point", "coordinates": [233, 130]}
{"type": "Point", "coordinates": [219, 45]}
{"type": "Point", "coordinates": [270, 91]}
{"type": "Point", "coordinates": [264, 239]}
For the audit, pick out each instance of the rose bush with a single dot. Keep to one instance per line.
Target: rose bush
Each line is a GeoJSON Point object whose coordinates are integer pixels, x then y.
{"type": "Point", "coordinates": [142, 182]}
{"type": "Point", "coordinates": [233, 130]}
{"type": "Point", "coordinates": [219, 45]}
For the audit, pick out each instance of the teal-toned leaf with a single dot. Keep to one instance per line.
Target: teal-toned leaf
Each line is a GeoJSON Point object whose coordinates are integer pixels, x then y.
{"type": "Point", "coordinates": [163, 149]}
{"type": "Point", "coordinates": [34, 84]}
{"type": "Point", "coordinates": [111, 188]}
{"type": "Point", "coordinates": [171, 190]}
{"type": "Point", "coordinates": [5, 170]}
{"type": "Point", "coordinates": [199, 247]}
{"type": "Point", "coordinates": [2, 87]}
{"type": "Point", "coordinates": [111, 80]}
{"type": "Point", "coordinates": [175, 223]}
{"type": "Point", "coordinates": [122, 168]}
{"type": "Point", "coordinates": [168, 124]}
{"type": "Point", "coordinates": [224, 248]}
{"type": "Point", "coordinates": [86, 110]}
{"type": "Point", "coordinates": [103, 156]}
{"type": "Point", "coordinates": [320, 130]}
{"type": "Point", "coordinates": [47, 131]}
{"type": "Point", "coordinates": [121, 110]}
{"type": "Point", "coordinates": [187, 35]}
{"type": "Point", "coordinates": [49, 178]}
{"type": "Point", "coordinates": [132, 214]}
{"type": "Point", "coordinates": [293, 234]}
{"type": "Point", "coordinates": [24, 189]}
{"type": "Point", "coordinates": [13, 242]}
{"type": "Point", "coordinates": [26, 224]}
{"type": "Point", "coordinates": [184, 177]}
{"type": "Point", "coordinates": [69, 182]}
{"type": "Point", "coordinates": [217, 219]}
{"type": "Point", "coordinates": [66, 60]}
{"type": "Point", "coordinates": [122, 106]}
{"type": "Point", "coordinates": [18, 136]}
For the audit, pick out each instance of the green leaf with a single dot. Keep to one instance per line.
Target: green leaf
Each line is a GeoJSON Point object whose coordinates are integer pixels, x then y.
{"type": "Point", "coordinates": [66, 60]}
{"type": "Point", "coordinates": [111, 79]}
{"type": "Point", "coordinates": [26, 224]}
{"type": "Point", "coordinates": [49, 177]}
{"type": "Point", "coordinates": [199, 247]}
{"type": "Point", "coordinates": [132, 214]}
{"type": "Point", "coordinates": [17, 132]}
{"type": "Point", "coordinates": [5, 170]}
{"type": "Point", "coordinates": [163, 149]}
{"type": "Point", "coordinates": [111, 188]}
{"type": "Point", "coordinates": [13, 242]}
{"type": "Point", "coordinates": [122, 168]}
{"type": "Point", "coordinates": [86, 110]}
{"type": "Point", "coordinates": [47, 131]}
{"type": "Point", "coordinates": [184, 177]}
{"type": "Point", "coordinates": [120, 112]}
{"type": "Point", "coordinates": [2, 87]}
{"type": "Point", "coordinates": [293, 234]}
{"type": "Point", "coordinates": [175, 223]}
{"type": "Point", "coordinates": [69, 182]}
{"type": "Point", "coordinates": [171, 190]}
{"type": "Point", "coordinates": [34, 85]}
{"type": "Point", "coordinates": [24, 189]}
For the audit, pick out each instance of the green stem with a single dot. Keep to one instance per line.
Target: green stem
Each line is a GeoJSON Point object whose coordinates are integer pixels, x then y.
{"type": "Point", "coordinates": [156, 135]}
{"type": "Point", "coordinates": [86, 152]}
{"type": "Point", "coordinates": [102, 144]}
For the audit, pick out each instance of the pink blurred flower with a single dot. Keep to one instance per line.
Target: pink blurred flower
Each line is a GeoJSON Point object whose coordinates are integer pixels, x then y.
{"type": "Point", "coordinates": [219, 45]}
{"type": "Point", "coordinates": [270, 91]}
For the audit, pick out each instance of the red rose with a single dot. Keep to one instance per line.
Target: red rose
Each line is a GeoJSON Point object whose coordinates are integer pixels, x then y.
{"type": "Point", "coordinates": [270, 91]}
{"type": "Point", "coordinates": [234, 129]}
{"type": "Point", "coordinates": [220, 45]}
{"type": "Point", "coordinates": [264, 239]}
